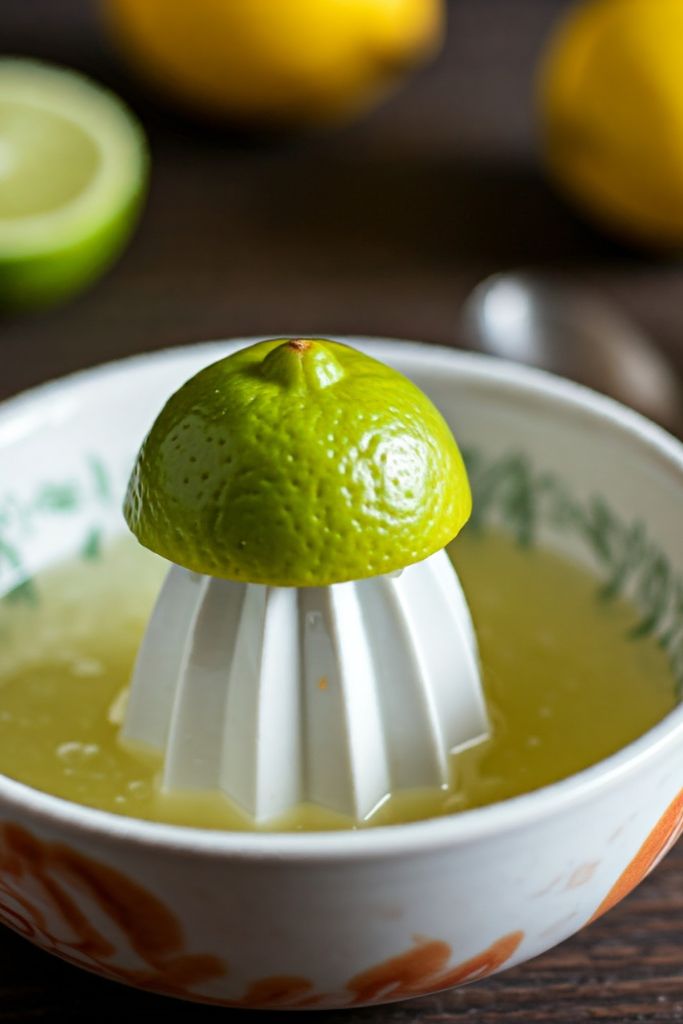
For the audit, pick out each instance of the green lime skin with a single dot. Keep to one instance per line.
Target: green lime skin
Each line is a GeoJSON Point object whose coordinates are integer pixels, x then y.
{"type": "Point", "coordinates": [298, 463]}
{"type": "Point", "coordinates": [47, 279]}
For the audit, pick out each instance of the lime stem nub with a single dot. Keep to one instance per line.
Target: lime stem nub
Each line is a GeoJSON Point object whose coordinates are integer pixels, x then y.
{"type": "Point", "coordinates": [302, 362]}
{"type": "Point", "coordinates": [299, 344]}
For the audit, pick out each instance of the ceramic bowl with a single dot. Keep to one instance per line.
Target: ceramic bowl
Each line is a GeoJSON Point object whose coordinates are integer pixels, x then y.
{"type": "Point", "coordinates": [351, 918]}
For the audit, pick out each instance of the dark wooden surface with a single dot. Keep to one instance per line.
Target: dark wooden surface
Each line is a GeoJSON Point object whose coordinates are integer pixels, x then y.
{"type": "Point", "coordinates": [380, 229]}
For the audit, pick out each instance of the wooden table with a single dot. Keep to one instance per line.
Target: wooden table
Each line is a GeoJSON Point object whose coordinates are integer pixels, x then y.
{"type": "Point", "coordinates": [381, 229]}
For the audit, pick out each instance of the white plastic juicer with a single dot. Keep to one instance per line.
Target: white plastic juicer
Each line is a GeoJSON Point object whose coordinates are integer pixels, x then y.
{"type": "Point", "coordinates": [336, 695]}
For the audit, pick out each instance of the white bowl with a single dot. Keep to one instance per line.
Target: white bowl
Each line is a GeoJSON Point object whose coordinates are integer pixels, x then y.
{"type": "Point", "coordinates": [348, 918]}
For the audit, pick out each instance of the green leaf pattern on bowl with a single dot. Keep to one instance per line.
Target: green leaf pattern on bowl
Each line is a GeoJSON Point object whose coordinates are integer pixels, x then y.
{"type": "Point", "coordinates": [509, 491]}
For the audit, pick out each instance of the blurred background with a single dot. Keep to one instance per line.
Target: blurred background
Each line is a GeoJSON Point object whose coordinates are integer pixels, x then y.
{"type": "Point", "coordinates": [292, 193]}
{"type": "Point", "coordinates": [381, 225]}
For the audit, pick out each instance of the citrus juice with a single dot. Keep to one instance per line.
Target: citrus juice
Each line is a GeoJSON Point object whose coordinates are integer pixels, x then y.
{"type": "Point", "coordinates": [565, 683]}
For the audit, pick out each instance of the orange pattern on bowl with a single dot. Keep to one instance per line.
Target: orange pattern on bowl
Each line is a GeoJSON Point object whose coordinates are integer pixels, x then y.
{"type": "Point", "coordinates": [424, 969]}
{"type": "Point", "coordinates": [46, 888]}
{"type": "Point", "coordinates": [41, 886]}
{"type": "Point", "coordinates": [656, 846]}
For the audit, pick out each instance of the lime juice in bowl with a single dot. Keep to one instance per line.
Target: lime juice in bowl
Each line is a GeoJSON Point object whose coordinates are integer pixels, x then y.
{"type": "Point", "coordinates": [571, 563]}
{"type": "Point", "coordinates": [538, 617]}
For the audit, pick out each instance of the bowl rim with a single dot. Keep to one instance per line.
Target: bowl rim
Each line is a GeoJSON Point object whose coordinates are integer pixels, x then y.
{"type": "Point", "coordinates": [381, 841]}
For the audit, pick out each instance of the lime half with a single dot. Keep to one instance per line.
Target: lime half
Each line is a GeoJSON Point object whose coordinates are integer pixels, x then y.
{"type": "Point", "coordinates": [298, 462]}
{"type": "Point", "coordinates": [73, 169]}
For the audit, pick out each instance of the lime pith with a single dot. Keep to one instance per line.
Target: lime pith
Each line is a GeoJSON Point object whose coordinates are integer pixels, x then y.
{"type": "Point", "coordinates": [298, 463]}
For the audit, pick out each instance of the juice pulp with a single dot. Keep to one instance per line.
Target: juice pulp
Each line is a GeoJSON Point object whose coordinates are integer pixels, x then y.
{"type": "Point", "coordinates": [565, 684]}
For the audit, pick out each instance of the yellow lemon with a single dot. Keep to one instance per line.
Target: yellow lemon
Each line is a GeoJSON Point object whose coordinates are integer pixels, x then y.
{"type": "Point", "coordinates": [298, 462]}
{"type": "Point", "coordinates": [278, 61]}
{"type": "Point", "coordinates": [611, 96]}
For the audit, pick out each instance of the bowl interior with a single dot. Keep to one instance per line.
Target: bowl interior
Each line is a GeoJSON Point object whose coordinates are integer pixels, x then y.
{"type": "Point", "coordinates": [549, 461]}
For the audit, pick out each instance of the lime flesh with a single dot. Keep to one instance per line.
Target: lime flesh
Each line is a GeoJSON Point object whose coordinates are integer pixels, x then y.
{"type": "Point", "coordinates": [298, 463]}
{"type": "Point", "coordinates": [73, 170]}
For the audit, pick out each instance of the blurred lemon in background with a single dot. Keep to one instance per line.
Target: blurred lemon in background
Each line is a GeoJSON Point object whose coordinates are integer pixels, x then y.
{"type": "Point", "coordinates": [73, 169]}
{"type": "Point", "coordinates": [277, 61]}
{"type": "Point", "coordinates": [611, 97]}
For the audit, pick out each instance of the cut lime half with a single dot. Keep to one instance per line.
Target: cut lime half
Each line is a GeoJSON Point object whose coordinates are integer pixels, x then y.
{"type": "Point", "coordinates": [73, 170]}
